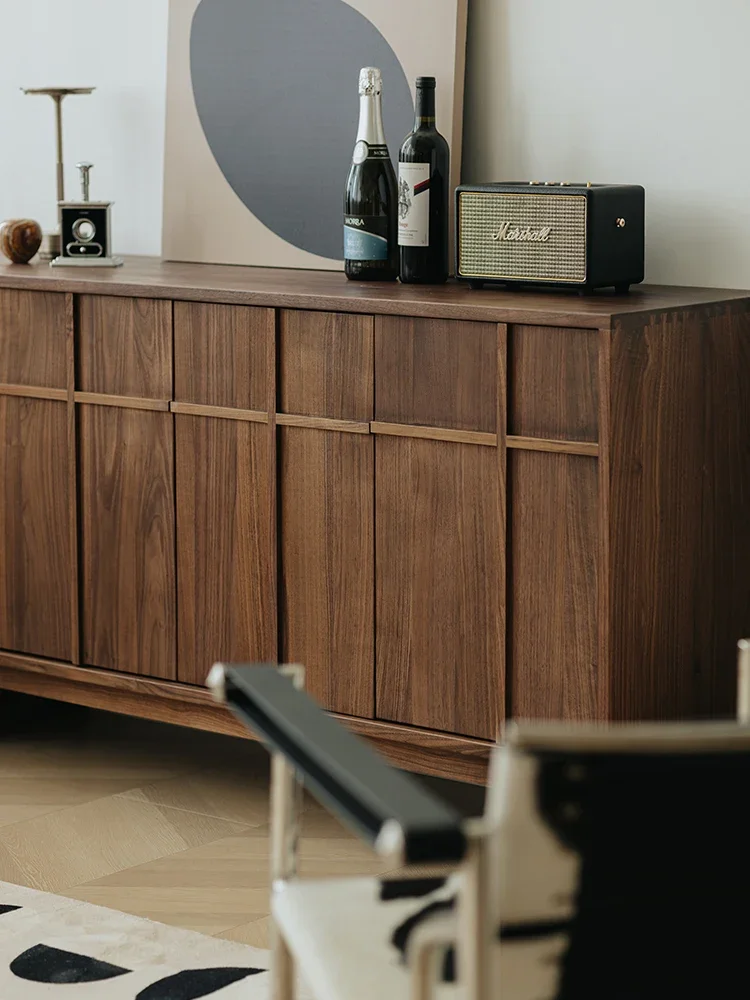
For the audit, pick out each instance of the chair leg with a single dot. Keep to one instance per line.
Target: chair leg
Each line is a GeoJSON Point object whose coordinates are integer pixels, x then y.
{"type": "Point", "coordinates": [285, 808]}
{"type": "Point", "coordinates": [743, 682]}
{"type": "Point", "coordinates": [283, 975]}
{"type": "Point", "coordinates": [474, 930]}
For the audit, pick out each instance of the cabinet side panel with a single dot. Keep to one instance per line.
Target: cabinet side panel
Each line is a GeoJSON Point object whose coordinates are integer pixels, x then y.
{"type": "Point", "coordinates": [439, 604]}
{"type": "Point", "coordinates": [327, 564]}
{"type": "Point", "coordinates": [554, 531]}
{"type": "Point", "coordinates": [680, 511]}
{"type": "Point", "coordinates": [725, 534]}
{"type": "Point", "coordinates": [35, 579]}
{"type": "Point", "coordinates": [225, 591]}
{"type": "Point", "coordinates": [32, 338]}
{"type": "Point", "coordinates": [125, 346]}
{"type": "Point", "coordinates": [221, 354]}
{"type": "Point", "coordinates": [128, 540]}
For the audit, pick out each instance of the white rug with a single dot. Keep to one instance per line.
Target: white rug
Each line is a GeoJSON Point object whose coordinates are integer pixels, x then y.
{"type": "Point", "coordinates": [53, 947]}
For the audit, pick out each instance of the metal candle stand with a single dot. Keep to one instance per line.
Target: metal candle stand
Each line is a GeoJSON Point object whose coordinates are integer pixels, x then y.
{"type": "Point", "coordinates": [51, 245]}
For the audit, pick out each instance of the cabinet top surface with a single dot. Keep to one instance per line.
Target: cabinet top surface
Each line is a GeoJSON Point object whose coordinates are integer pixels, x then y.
{"type": "Point", "coordinates": [151, 277]}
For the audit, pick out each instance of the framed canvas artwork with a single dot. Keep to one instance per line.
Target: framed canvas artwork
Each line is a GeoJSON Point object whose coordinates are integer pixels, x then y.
{"type": "Point", "coordinates": [262, 111]}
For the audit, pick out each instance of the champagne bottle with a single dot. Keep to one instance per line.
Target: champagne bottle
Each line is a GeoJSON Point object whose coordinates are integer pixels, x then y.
{"type": "Point", "coordinates": [423, 189]}
{"type": "Point", "coordinates": [370, 243]}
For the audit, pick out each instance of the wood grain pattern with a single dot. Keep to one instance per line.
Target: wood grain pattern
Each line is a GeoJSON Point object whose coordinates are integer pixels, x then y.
{"type": "Point", "coordinates": [70, 359]}
{"type": "Point", "coordinates": [553, 383]}
{"type": "Point", "coordinates": [224, 549]}
{"type": "Point", "coordinates": [326, 365]}
{"type": "Point", "coordinates": [221, 353]}
{"type": "Point", "coordinates": [283, 288]}
{"type": "Point", "coordinates": [128, 540]}
{"type": "Point", "coordinates": [552, 584]}
{"type": "Point", "coordinates": [322, 423]}
{"type": "Point", "coordinates": [273, 478]}
{"type": "Point", "coordinates": [125, 346]}
{"type": "Point", "coordinates": [35, 573]}
{"type": "Point", "coordinates": [32, 338]}
{"type": "Point", "coordinates": [725, 521]}
{"type": "Point", "coordinates": [433, 433]}
{"type": "Point", "coordinates": [679, 523]}
{"type": "Point", "coordinates": [439, 642]}
{"type": "Point", "coordinates": [437, 374]}
{"type": "Point", "coordinates": [441, 754]}
{"type": "Point", "coordinates": [220, 412]}
{"type": "Point", "coordinates": [604, 567]}
{"type": "Point", "coordinates": [128, 402]}
{"type": "Point", "coordinates": [590, 448]}
{"type": "Point", "coordinates": [33, 391]}
{"type": "Point", "coordinates": [444, 755]}
{"type": "Point", "coordinates": [504, 687]}
{"type": "Point", "coordinates": [327, 564]}
{"type": "Point", "coordinates": [628, 476]}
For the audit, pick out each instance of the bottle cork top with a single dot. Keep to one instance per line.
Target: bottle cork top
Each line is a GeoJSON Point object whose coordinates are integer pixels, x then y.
{"type": "Point", "coordinates": [370, 81]}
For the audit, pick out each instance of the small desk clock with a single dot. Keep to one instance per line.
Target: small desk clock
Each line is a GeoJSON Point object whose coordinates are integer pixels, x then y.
{"type": "Point", "coordinates": [85, 230]}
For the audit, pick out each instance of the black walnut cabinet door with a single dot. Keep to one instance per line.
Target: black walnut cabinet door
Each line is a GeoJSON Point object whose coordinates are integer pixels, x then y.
{"type": "Point", "coordinates": [225, 540]}
{"type": "Point", "coordinates": [325, 474]}
{"type": "Point", "coordinates": [126, 446]}
{"type": "Point", "coordinates": [35, 554]}
{"type": "Point", "coordinates": [439, 526]}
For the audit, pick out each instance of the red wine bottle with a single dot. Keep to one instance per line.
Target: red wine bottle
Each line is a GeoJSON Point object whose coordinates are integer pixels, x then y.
{"type": "Point", "coordinates": [423, 190]}
{"type": "Point", "coordinates": [370, 242]}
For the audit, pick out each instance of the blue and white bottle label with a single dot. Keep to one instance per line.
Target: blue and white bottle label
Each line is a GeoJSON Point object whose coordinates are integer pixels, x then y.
{"type": "Point", "coordinates": [365, 237]}
{"type": "Point", "coordinates": [414, 204]}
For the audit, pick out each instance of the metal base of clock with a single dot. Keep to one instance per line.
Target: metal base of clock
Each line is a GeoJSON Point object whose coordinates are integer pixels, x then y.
{"type": "Point", "coordinates": [51, 246]}
{"type": "Point", "coordinates": [88, 262]}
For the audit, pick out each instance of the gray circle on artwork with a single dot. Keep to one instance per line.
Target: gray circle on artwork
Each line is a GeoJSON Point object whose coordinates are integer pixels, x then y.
{"type": "Point", "coordinates": [275, 86]}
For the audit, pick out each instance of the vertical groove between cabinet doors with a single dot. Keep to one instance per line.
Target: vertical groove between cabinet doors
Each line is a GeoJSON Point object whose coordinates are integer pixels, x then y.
{"type": "Point", "coordinates": [503, 512]}
{"type": "Point", "coordinates": [75, 627]}
{"type": "Point", "coordinates": [175, 497]}
{"type": "Point", "coordinates": [604, 594]}
{"type": "Point", "coordinates": [274, 495]}
{"type": "Point", "coordinates": [374, 529]}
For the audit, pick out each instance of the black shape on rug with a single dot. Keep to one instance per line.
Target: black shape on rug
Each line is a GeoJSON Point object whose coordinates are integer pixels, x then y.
{"type": "Point", "coordinates": [400, 936]}
{"type": "Point", "coordinates": [194, 983]}
{"type": "Point", "coordinates": [42, 964]}
{"type": "Point", "coordinates": [5, 908]}
{"type": "Point", "coordinates": [408, 888]}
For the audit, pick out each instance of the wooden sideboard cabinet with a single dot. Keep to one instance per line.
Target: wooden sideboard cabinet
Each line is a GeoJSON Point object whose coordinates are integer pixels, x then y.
{"type": "Point", "coordinates": [453, 507]}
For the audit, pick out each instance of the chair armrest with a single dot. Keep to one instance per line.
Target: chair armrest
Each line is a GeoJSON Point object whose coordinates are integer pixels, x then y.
{"type": "Point", "coordinates": [384, 806]}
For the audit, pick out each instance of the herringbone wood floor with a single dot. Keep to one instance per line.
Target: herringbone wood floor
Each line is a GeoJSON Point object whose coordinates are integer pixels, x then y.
{"type": "Point", "coordinates": [159, 821]}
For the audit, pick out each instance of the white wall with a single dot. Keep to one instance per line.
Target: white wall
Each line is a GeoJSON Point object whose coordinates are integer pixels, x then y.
{"type": "Point", "coordinates": [118, 47]}
{"type": "Point", "coordinates": [655, 92]}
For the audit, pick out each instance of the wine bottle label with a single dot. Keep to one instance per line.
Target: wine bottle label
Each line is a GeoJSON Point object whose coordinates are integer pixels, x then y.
{"type": "Point", "coordinates": [414, 204]}
{"type": "Point", "coordinates": [365, 237]}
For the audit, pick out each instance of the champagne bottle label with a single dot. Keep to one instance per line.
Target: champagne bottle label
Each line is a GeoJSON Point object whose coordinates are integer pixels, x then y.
{"type": "Point", "coordinates": [367, 151]}
{"type": "Point", "coordinates": [414, 204]}
{"type": "Point", "coordinates": [365, 237]}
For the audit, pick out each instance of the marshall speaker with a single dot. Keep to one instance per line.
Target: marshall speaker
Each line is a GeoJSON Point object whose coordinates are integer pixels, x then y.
{"type": "Point", "coordinates": [580, 236]}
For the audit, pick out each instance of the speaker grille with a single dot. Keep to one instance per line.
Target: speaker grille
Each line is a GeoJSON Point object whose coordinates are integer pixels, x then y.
{"type": "Point", "coordinates": [561, 258]}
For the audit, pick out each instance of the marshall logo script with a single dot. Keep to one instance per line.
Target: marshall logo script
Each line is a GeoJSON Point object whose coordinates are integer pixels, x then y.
{"type": "Point", "coordinates": [509, 233]}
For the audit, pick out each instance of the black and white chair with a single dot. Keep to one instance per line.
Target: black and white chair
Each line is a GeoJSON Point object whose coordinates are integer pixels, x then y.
{"type": "Point", "coordinates": [611, 862]}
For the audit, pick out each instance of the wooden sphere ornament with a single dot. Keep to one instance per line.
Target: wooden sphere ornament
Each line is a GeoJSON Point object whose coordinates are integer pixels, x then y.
{"type": "Point", "coordinates": [20, 239]}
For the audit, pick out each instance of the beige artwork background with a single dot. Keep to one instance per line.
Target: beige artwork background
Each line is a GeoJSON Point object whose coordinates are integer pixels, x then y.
{"type": "Point", "coordinates": [204, 220]}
